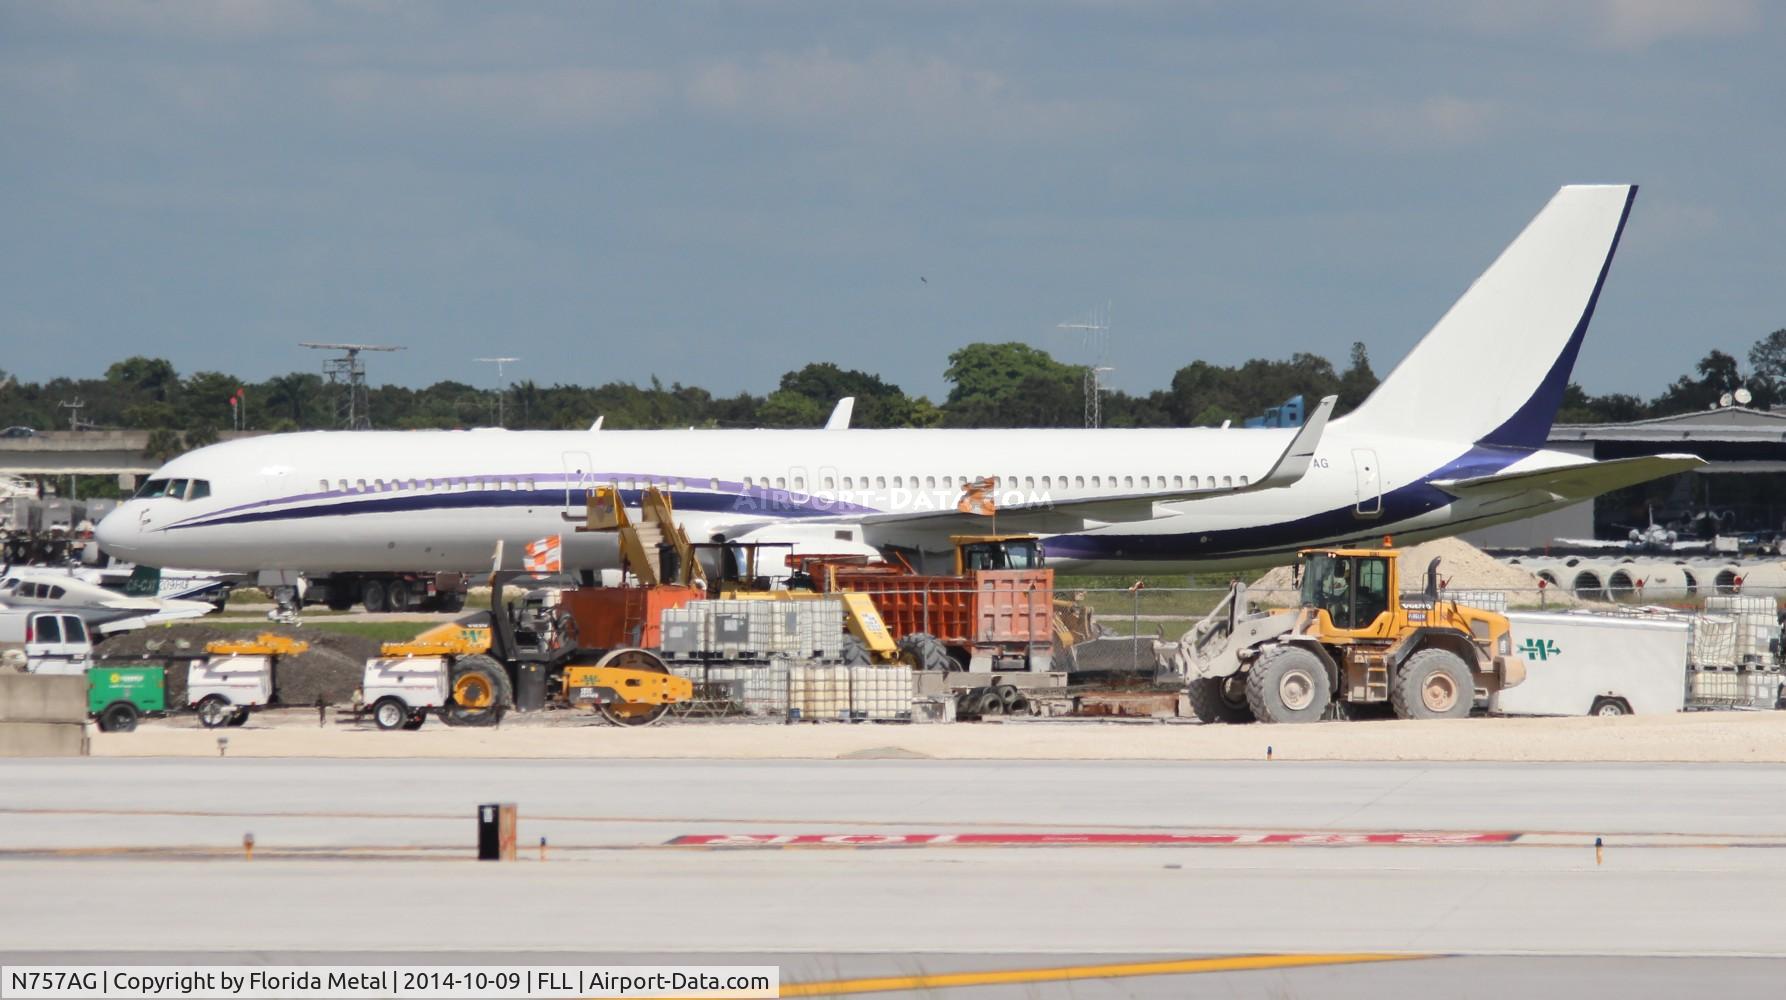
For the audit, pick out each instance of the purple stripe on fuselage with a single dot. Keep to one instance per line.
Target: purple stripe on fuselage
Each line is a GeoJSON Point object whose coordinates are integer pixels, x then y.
{"type": "Point", "coordinates": [778, 503]}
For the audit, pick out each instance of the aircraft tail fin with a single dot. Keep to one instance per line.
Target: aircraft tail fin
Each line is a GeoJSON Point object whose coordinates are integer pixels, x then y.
{"type": "Point", "coordinates": [1493, 369]}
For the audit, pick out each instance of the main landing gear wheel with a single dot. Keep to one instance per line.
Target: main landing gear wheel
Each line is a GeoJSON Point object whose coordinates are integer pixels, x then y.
{"type": "Point", "coordinates": [480, 691]}
{"type": "Point", "coordinates": [633, 714]}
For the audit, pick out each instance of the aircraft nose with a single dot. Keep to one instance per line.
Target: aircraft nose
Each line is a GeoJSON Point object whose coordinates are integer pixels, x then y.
{"type": "Point", "coordinates": [117, 532]}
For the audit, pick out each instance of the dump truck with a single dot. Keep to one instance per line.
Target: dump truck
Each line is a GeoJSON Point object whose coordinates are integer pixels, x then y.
{"type": "Point", "coordinates": [1355, 640]}
{"type": "Point", "coordinates": [994, 613]}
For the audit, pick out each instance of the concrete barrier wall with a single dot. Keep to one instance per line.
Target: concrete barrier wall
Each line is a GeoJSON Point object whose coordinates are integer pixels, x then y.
{"type": "Point", "coordinates": [43, 739]}
{"type": "Point", "coordinates": [34, 698]}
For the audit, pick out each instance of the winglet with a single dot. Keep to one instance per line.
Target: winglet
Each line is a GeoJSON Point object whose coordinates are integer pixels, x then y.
{"type": "Point", "coordinates": [1294, 462]}
{"type": "Point", "coordinates": [840, 417]}
{"type": "Point", "coordinates": [598, 422]}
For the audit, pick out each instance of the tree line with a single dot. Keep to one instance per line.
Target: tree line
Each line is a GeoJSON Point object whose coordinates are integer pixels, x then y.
{"type": "Point", "coordinates": [991, 385]}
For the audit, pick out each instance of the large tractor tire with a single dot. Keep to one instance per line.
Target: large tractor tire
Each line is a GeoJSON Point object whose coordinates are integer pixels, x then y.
{"type": "Point", "coordinates": [1288, 684]}
{"type": "Point", "coordinates": [854, 654]}
{"type": "Point", "coordinates": [923, 651]}
{"type": "Point", "coordinates": [1220, 699]}
{"type": "Point", "coordinates": [481, 692]}
{"type": "Point", "coordinates": [1433, 684]}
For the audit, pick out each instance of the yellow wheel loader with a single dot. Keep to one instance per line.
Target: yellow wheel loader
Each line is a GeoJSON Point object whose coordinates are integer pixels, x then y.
{"type": "Point", "coordinates": [1354, 640]}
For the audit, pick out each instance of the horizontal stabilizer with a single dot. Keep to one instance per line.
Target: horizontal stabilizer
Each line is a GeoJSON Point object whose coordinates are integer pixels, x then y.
{"type": "Point", "coordinates": [1575, 482]}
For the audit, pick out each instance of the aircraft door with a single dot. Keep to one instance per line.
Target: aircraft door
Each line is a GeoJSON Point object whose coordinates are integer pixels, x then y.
{"type": "Point", "coordinates": [1370, 483]}
{"type": "Point", "coordinates": [579, 479]}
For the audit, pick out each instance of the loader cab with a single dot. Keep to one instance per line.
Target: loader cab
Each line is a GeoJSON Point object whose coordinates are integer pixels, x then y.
{"type": "Point", "coordinates": [979, 552]}
{"type": "Point", "coordinates": [1354, 587]}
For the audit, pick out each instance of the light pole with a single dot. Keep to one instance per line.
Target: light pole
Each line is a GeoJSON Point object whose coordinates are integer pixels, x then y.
{"type": "Point", "coordinates": [499, 363]}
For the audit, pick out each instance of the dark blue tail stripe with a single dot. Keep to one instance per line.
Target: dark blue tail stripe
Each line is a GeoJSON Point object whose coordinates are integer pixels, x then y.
{"type": "Point", "coordinates": [1529, 426]}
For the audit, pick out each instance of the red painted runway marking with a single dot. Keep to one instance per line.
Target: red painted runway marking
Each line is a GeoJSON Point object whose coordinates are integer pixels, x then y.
{"type": "Point", "coordinates": [1284, 839]}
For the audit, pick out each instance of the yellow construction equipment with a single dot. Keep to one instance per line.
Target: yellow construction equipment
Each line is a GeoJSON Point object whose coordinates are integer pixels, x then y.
{"type": "Point", "coordinates": [656, 550]}
{"type": "Point", "coordinates": [1355, 639]}
{"type": "Point", "coordinates": [628, 687]}
{"type": "Point", "coordinates": [264, 644]}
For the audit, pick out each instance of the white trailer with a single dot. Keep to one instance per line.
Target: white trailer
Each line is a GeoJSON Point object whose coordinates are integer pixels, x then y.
{"type": "Point", "coordinates": [1579, 664]}
{"type": "Point", "coordinates": [401, 689]}
{"type": "Point", "coordinates": [225, 689]}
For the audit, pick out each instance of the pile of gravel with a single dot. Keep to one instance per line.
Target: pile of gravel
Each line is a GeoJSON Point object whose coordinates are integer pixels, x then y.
{"type": "Point", "coordinates": [330, 669]}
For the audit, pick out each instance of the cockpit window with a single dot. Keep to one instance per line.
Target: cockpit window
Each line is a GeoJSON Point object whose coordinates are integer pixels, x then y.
{"type": "Point", "coordinates": [174, 489]}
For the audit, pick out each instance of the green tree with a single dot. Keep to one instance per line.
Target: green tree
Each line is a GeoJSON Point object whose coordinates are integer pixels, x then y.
{"type": "Point", "coordinates": [1718, 374]}
{"type": "Point", "coordinates": [1357, 382]}
{"type": "Point", "coordinates": [1012, 385]}
{"type": "Point", "coordinates": [163, 444]}
{"type": "Point", "coordinates": [291, 396]}
{"type": "Point", "coordinates": [878, 403]}
{"type": "Point", "coordinates": [153, 377]}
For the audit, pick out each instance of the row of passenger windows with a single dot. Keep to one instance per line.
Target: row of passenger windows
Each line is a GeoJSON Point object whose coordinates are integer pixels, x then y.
{"type": "Point", "coordinates": [489, 483]}
{"type": "Point", "coordinates": [1149, 482]}
{"type": "Point", "coordinates": [1007, 482]}
{"type": "Point", "coordinates": [175, 489]}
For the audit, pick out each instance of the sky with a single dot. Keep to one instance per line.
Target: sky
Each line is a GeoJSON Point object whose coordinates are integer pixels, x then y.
{"type": "Point", "coordinates": [718, 193]}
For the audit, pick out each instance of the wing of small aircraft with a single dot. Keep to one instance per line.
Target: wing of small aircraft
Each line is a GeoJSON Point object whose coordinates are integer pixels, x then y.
{"type": "Point", "coordinates": [1591, 543]}
{"type": "Point", "coordinates": [1588, 479]}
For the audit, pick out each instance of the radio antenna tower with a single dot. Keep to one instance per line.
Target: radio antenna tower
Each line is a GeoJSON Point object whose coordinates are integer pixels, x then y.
{"type": "Point", "coordinates": [501, 390]}
{"type": "Point", "coordinates": [1095, 342]}
{"type": "Point", "coordinates": [355, 408]}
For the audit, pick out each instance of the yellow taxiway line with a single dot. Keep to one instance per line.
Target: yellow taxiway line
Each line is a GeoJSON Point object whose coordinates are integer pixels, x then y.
{"type": "Point", "coordinates": [1063, 973]}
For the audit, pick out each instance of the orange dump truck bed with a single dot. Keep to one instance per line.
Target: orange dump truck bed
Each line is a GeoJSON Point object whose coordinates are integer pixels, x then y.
{"type": "Point", "coordinates": [609, 617]}
{"type": "Point", "coordinates": [990, 606]}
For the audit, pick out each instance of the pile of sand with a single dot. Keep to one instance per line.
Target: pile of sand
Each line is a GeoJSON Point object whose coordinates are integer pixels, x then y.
{"type": "Point", "coordinates": [1462, 566]}
{"type": "Point", "coordinates": [330, 669]}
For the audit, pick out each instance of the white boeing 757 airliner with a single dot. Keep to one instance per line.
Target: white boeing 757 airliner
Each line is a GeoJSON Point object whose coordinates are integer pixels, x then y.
{"type": "Point", "coordinates": [1452, 440]}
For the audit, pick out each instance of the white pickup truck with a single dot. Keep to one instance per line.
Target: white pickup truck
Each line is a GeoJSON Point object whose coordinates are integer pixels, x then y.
{"type": "Point", "coordinates": [44, 642]}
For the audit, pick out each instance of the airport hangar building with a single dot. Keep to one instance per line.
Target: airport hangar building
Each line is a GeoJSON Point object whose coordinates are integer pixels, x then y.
{"type": "Point", "coordinates": [1745, 477]}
